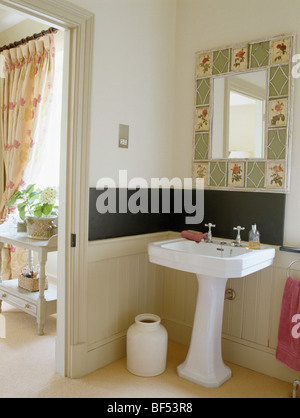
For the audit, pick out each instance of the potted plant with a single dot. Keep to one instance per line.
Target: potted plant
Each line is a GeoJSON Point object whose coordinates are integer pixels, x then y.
{"type": "Point", "coordinates": [38, 209]}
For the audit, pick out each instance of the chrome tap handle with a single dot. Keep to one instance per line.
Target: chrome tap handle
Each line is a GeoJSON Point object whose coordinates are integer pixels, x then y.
{"type": "Point", "coordinates": [238, 237]}
{"type": "Point", "coordinates": [209, 235]}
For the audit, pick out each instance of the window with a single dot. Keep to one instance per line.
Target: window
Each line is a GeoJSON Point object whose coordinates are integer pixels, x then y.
{"type": "Point", "coordinates": [43, 168]}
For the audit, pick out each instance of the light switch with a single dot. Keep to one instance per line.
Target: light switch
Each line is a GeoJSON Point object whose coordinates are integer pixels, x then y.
{"type": "Point", "coordinates": [123, 136]}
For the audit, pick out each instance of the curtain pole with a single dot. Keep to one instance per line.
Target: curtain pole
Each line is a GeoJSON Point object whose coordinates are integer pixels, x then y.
{"type": "Point", "coordinates": [28, 38]}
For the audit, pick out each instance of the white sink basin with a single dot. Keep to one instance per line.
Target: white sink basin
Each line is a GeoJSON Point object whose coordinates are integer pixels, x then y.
{"type": "Point", "coordinates": [210, 258]}
{"type": "Point", "coordinates": [213, 264]}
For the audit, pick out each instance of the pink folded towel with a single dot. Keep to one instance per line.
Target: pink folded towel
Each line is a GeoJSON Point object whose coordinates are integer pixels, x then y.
{"type": "Point", "coordinates": [288, 349]}
{"type": "Point", "coordinates": [193, 235]}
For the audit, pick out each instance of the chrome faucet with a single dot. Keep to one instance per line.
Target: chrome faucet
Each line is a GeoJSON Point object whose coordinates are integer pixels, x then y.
{"type": "Point", "coordinates": [238, 237]}
{"type": "Point", "coordinates": [209, 234]}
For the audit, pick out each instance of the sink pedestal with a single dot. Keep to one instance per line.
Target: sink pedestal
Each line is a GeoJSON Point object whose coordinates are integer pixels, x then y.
{"type": "Point", "coordinates": [204, 364]}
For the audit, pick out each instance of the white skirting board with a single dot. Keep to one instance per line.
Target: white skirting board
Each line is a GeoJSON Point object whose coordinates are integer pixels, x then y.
{"type": "Point", "coordinates": [88, 361]}
{"type": "Point", "coordinates": [254, 358]}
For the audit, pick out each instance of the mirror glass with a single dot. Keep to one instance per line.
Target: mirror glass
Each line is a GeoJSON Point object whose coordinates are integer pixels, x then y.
{"type": "Point", "coordinates": [238, 123]}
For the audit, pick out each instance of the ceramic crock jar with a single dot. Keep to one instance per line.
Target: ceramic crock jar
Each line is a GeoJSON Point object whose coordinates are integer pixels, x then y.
{"type": "Point", "coordinates": [147, 344]}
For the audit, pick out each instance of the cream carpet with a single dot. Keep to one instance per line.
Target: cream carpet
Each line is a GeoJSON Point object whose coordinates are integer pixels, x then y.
{"type": "Point", "coordinates": [27, 370]}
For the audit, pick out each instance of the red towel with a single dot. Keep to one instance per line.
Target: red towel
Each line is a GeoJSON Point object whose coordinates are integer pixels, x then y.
{"type": "Point", "coordinates": [288, 349]}
{"type": "Point", "coordinates": [193, 235]}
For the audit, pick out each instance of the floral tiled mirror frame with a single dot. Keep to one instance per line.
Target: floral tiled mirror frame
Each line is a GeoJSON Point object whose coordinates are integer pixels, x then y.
{"type": "Point", "coordinates": [267, 174]}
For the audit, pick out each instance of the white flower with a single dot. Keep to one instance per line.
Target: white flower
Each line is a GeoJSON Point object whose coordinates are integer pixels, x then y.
{"type": "Point", "coordinates": [49, 195]}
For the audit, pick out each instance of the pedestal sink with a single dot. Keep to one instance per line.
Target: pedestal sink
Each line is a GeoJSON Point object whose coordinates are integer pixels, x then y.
{"type": "Point", "coordinates": [213, 263]}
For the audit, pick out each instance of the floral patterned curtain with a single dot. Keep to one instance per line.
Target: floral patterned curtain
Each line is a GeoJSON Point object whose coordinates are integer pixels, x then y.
{"type": "Point", "coordinates": [25, 94]}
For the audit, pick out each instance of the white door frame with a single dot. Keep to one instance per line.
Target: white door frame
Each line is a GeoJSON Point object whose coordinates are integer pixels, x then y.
{"type": "Point", "coordinates": [74, 192]}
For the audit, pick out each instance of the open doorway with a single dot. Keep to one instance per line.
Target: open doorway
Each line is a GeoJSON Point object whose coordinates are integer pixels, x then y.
{"type": "Point", "coordinates": [43, 171]}
{"type": "Point", "coordinates": [73, 213]}
{"type": "Point", "coordinates": [40, 119]}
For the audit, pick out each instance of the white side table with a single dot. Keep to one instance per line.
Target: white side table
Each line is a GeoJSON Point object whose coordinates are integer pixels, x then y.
{"type": "Point", "coordinates": [38, 304]}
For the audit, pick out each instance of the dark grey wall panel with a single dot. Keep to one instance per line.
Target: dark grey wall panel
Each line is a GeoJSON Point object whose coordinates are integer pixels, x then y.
{"type": "Point", "coordinates": [113, 225]}
{"type": "Point", "coordinates": [224, 208]}
{"type": "Point", "coordinates": [229, 209]}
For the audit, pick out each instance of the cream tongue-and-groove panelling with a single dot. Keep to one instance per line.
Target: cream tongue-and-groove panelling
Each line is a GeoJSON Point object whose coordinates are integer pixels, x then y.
{"type": "Point", "coordinates": [123, 283]}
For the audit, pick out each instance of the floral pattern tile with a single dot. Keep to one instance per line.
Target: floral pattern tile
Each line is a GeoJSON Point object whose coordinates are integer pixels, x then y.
{"type": "Point", "coordinates": [204, 65]}
{"type": "Point", "coordinates": [278, 110]}
{"type": "Point", "coordinates": [201, 172]}
{"type": "Point", "coordinates": [280, 51]}
{"type": "Point", "coordinates": [236, 174]}
{"type": "Point", "coordinates": [239, 59]}
{"type": "Point", "coordinates": [203, 119]}
{"type": "Point", "coordinates": [276, 175]}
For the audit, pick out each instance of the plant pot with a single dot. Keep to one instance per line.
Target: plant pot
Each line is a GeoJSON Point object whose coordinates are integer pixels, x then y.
{"type": "Point", "coordinates": [41, 228]}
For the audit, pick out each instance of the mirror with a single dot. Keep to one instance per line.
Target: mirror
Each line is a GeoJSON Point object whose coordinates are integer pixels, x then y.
{"type": "Point", "coordinates": [239, 117]}
{"type": "Point", "coordinates": [243, 114]}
